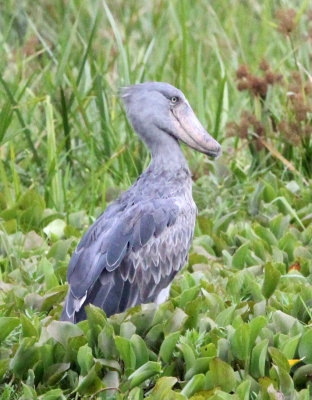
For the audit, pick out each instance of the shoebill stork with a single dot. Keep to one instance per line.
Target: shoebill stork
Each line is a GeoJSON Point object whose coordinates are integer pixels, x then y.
{"type": "Point", "coordinates": [132, 252]}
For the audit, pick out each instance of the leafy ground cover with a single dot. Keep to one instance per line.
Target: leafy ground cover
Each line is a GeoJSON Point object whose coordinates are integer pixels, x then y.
{"type": "Point", "coordinates": [237, 324]}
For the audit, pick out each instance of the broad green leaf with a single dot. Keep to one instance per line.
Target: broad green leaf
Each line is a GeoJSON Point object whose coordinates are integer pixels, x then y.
{"type": "Point", "coordinates": [25, 357]}
{"type": "Point", "coordinates": [288, 209]}
{"type": "Point", "coordinates": [146, 371]}
{"type": "Point", "coordinates": [85, 359]}
{"type": "Point", "coordinates": [240, 342]}
{"type": "Point", "coordinates": [225, 317]}
{"type": "Point", "coordinates": [140, 350]}
{"type": "Point", "coordinates": [258, 359]}
{"type": "Point", "coordinates": [271, 280]}
{"type": "Point", "coordinates": [7, 324]}
{"type": "Point", "coordinates": [168, 345]}
{"type": "Point", "coordinates": [279, 359]}
{"type": "Point", "coordinates": [243, 390]}
{"type": "Point", "coordinates": [106, 342]}
{"type": "Point", "coordinates": [194, 385]}
{"type": "Point", "coordinates": [266, 235]}
{"type": "Point", "coordinates": [188, 355]}
{"type": "Point", "coordinates": [29, 392]}
{"type": "Point", "coordinates": [28, 330]}
{"type": "Point", "coordinates": [127, 354]}
{"type": "Point", "coordinates": [289, 347]}
{"type": "Point", "coordinates": [302, 376]}
{"type": "Point", "coordinates": [136, 394]}
{"type": "Point", "coordinates": [200, 365]}
{"type": "Point", "coordinates": [96, 320]}
{"type": "Point", "coordinates": [221, 374]}
{"type": "Point", "coordinates": [163, 387]}
{"type": "Point", "coordinates": [279, 224]}
{"type": "Point", "coordinates": [288, 243]}
{"type": "Point", "coordinates": [59, 250]}
{"type": "Point", "coordinates": [55, 229]}
{"type": "Point", "coordinates": [54, 394]}
{"type": "Point", "coordinates": [305, 347]}
{"type": "Point", "coordinates": [175, 322]}
{"type": "Point", "coordinates": [63, 331]}
{"type": "Point", "coordinates": [256, 325]}
{"type": "Point", "coordinates": [283, 322]}
{"type": "Point", "coordinates": [91, 383]}
{"type": "Point", "coordinates": [55, 373]}
{"type": "Point", "coordinates": [4, 366]}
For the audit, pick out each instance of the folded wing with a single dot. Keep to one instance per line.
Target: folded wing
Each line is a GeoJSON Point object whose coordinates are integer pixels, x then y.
{"type": "Point", "coordinates": [127, 257]}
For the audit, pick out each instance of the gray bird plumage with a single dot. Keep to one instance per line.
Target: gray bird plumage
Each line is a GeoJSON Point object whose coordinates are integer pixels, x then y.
{"type": "Point", "coordinates": [132, 252]}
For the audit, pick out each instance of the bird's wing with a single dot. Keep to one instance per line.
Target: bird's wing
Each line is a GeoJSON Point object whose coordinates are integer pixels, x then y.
{"type": "Point", "coordinates": [119, 236]}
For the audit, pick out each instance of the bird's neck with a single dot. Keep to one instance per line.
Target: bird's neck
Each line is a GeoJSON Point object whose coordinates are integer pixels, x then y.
{"type": "Point", "coordinates": [168, 155]}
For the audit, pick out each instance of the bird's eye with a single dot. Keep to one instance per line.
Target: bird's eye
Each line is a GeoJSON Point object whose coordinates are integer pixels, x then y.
{"type": "Point", "coordinates": [174, 99]}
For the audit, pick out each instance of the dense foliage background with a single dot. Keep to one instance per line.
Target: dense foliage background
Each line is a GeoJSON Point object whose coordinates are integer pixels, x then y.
{"type": "Point", "coordinates": [238, 321]}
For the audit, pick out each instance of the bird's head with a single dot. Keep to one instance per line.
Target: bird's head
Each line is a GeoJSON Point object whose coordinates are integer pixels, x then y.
{"type": "Point", "coordinates": [158, 108]}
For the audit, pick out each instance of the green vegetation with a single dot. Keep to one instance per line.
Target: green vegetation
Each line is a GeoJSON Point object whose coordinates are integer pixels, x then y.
{"type": "Point", "coordinates": [238, 324]}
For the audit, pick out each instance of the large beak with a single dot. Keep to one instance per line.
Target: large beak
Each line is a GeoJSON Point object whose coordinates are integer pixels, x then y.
{"type": "Point", "coordinates": [189, 130]}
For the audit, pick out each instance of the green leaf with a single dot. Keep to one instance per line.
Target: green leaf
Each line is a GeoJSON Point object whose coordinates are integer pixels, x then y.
{"type": "Point", "coordinates": [25, 357]}
{"type": "Point", "coordinates": [106, 342]}
{"type": "Point", "coordinates": [256, 325]}
{"type": "Point", "coordinates": [55, 373]}
{"type": "Point", "coordinates": [194, 385]}
{"type": "Point", "coordinates": [266, 235]}
{"type": "Point", "coordinates": [136, 394]}
{"type": "Point", "coordinates": [4, 366]}
{"type": "Point", "coordinates": [188, 355]}
{"type": "Point", "coordinates": [140, 350]}
{"type": "Point", "coordinates": [221, 374]}
{"type": "Point", "coordinates": [126, 352]}
{"type": "Point", "coordinates": [163, 387]}
{"type": "Point", "coordinates": [55, 229]}
{"type": "Point", "coordinates": [288, 208]}
{"type": "Point", "coordinates": [63, 331]}
{"type": "Point", "coordinates": [28, 330]}
{"type": "Point", "coordinates": [305, 347]}
{"type": "Point", "coordinates": [240, 342]}
{"type": "Point", "coordinates": [54, 394]}
{"type": "Point", "coordinates": [29, 392]}
{"type": "Point", "coordinates": [96, 321]}
{"type": "Point", "coordinates": [302, 376]}
{"type": "Point", "coordinates": [85, 359]}
{"type": "Point", "coordinates": [271, 280]}
{"type": "Point", "coordinates": [290, 345]}
{"type": "Point", "coordinates": [91, 383]}
{"type": "Point", "coordinates": [143, 373]}
{"type": "Point", "coordinates": [243, 390]}
{"type": "Point", "coordinates": [258, 359]}
{"type": "Point", "coordinates": [59, 250]}
{"type": "Point", "coordinates": [279, 224]}
{"type": "Point", "coordinates": [279, 359]}
{"type": "Point", "coordinates": [168, 345]}
{"type": "Point", "coordinates": [283, 322]}
{"type": "Point", "coordinates": [200, 365]}
{"type": "Point", "coordinates": [175, 322]}
{"type": "Point", "coordinates": [7, 324]}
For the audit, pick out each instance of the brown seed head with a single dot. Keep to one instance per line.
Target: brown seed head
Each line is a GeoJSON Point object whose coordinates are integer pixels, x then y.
{"type": "Point", "coordinates": [264, 65]}
{"type": "Point", "coordinates": [242, 72]}
{"type": "Point", "coordinates": [231, 129]}
{"type": "Point", "coordinates": [243, 84]}
{"type": "Point", "coordinates": [286, 19]}
{"type": "Point", "coordinates": [259, 86]}
{"type": "Point", "coordinates": [243, 128]}
{"type": "Point", "coordinates": [272, 78]}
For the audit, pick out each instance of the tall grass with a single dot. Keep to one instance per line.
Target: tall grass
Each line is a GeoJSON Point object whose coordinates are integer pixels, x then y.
{"type": "Point", "coordinates": [78, 53]}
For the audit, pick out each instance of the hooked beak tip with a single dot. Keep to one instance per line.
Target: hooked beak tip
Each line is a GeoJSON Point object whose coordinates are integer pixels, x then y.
{"type": "Point", "coordinates": [215, 152]}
